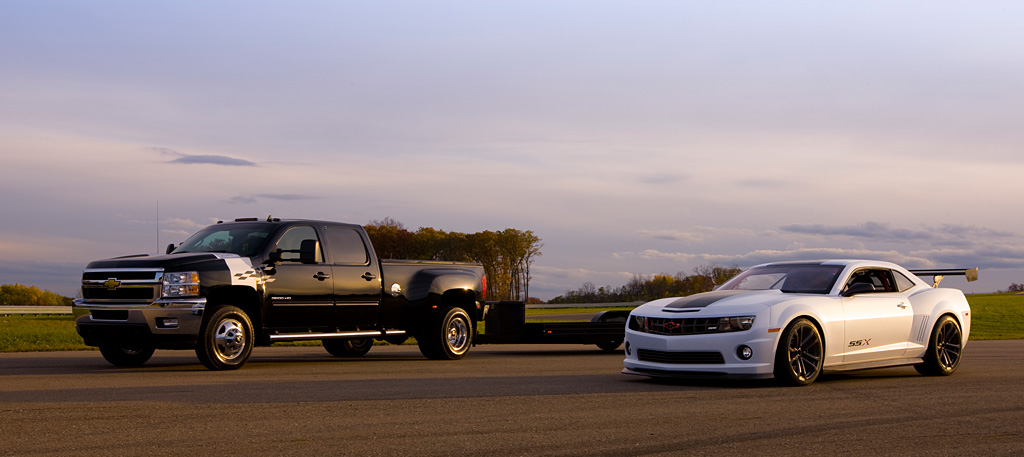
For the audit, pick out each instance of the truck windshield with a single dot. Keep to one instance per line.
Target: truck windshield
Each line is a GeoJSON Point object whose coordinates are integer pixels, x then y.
{"type": "Point", "coordinates": [244, 240]}
{"type": "Point", "coordinates": [794, 278]}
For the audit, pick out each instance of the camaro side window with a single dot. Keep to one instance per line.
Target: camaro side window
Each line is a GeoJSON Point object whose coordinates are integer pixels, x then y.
{"type": "Point", "coordinates": [290, 244]}
{"type": "Point", "coordinates": [902, 282]}
{"type": "Point", "coordinates": [881, 280]}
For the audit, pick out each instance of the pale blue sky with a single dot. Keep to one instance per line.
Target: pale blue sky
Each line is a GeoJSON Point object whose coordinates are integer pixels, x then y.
{"type": "Point", "coordinates": [632, 137]}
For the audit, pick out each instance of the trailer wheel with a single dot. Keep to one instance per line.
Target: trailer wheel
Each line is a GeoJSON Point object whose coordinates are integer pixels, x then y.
{"type": "Point", "coordinates": [610, 346]}
{"type": "Point", "coordinates": [448, 337]}
{"type": "Point", "coordinates": [357, 347]}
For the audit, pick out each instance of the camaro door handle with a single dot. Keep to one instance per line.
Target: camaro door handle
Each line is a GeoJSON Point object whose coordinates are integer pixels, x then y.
{"type": "Point", "coordinates": [321, 276]}
{"type": "Point", "coordinates": [901, 305]}
{"type": "Point", "coordinates": [368, 276]}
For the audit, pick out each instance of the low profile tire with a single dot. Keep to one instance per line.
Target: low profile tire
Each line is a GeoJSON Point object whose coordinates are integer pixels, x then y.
{"type": "Point", "coordinates": [800, 356]}
{"type": "Point", "coordinates": [610, 346]}
{"type": "Point", "coordinates": [225, 339]}
{"type": "Point", "coordinates": [944, 349]}
{"type": "Point", "coordinates": [348, 348]}
{"type": "Point", "coordinates": [127, 355]}
{"type": "Point", "coordinates": [447, 338]}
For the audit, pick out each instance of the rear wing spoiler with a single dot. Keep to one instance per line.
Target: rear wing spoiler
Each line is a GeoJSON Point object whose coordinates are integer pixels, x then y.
{"type": "Point", "coordinates": [938, 274]}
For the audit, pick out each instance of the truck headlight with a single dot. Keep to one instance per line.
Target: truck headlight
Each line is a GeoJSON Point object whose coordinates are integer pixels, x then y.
{"type": "Point", "coordinates": [181, 284]}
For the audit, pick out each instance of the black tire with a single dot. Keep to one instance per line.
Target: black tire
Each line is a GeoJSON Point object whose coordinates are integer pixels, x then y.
{"type": "Point", "coordinates": [127, 354]}
{"type": "Point", "coordinates": [448, 337]}
{"type": "Point", "coordinates": [357, 347]}
{"type": "Point", "coordinates": [225, 339]}
{"type": "Point", "coordinates": [610, 346]}
{"type": "Point", "coordinates": [800, 355]}
{"type": "Point", "coordinates": [945, 348]}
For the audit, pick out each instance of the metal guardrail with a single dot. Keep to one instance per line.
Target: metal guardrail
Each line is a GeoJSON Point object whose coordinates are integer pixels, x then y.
{"type": "Point", "coordinates": [12, 310]}
{"type": "Point", "coordinates": [633, 304]}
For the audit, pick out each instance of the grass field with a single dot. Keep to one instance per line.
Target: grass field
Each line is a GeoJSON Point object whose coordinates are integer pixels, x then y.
{"type": "Point", "coordinates": [994, 317]}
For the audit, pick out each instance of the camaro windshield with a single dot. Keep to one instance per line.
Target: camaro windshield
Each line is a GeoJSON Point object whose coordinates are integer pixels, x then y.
{"type": "Point", "coordinates": [246, 240]}
{"type": "Point", "coordinates": [794, 278]}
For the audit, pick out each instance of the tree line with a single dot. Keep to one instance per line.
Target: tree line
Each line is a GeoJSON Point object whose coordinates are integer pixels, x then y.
{"type": "Point", "coordinates": [645, 288]}
{"type": "Point", "coordinates": [19, 295]}
{"type": "Point", "coordinates": [506, 255]}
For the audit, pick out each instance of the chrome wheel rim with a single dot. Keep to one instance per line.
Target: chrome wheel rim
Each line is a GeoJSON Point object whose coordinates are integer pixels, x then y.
{"type": "Point", "coordinates": [948, 345]}
{"type": "Point", "coordinates": [229, 339]}
{"type": "Point", "coordinates": [458, 335]}
{"type": "Point", "coordinates": [804, 352]}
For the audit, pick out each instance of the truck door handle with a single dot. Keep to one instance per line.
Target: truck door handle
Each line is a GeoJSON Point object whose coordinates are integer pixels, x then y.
{"type": "Point", "coordinates": [368, 276]}
{"type": "Point", "coordinates": [901, 305]}
{"type": "Point", "coordinates": [321, 276]}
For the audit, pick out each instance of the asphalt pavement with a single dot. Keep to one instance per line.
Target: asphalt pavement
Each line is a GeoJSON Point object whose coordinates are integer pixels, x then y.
{"type": "Point", "coordinates": [499, 400]}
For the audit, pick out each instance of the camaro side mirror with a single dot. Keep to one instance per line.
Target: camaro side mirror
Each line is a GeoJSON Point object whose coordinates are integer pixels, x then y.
{"type": "Point", "coordinates": [859, 288]}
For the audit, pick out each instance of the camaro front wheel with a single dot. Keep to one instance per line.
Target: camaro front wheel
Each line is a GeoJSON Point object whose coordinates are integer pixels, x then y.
{"type": "Point", "coordinates": [800, 355]}
{"type": "Point", "coordinates": [944, 349]}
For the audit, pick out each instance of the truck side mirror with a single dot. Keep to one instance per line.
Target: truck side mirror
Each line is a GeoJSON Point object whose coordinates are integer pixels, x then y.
{"type": "Point", "coordinates": [308, 250]}
{"type": "Point", "coordinates": [170, 248]}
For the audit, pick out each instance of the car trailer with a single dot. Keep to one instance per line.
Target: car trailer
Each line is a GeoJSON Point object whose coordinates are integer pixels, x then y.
{"type": "Point", "coordinates": [505, 323]}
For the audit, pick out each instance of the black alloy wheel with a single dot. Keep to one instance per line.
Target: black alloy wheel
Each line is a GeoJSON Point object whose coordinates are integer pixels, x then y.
{"type": "Point", "coordinates": [945, 348]}
{"type": "Point", "coordinates": [800, 355]}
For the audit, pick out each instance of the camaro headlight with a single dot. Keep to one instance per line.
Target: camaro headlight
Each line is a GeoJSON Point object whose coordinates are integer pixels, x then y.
{"type": "Point", "coordinates": [739, 323]}
{"type": "Point", "coordinates": [181, 284]}
{"type": "Point", "coordinates": [690, 325]}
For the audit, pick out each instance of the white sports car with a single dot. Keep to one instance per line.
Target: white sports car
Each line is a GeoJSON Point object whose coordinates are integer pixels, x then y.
{"type": "Point", "coordinates": [793, 320]}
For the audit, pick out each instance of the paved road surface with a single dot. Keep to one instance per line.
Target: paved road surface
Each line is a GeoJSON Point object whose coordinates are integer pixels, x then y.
{"type": "Point", "coordinates": [499, 400]}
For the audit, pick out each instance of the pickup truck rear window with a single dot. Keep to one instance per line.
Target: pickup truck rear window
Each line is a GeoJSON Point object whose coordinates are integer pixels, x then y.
{"type": "Point", "coordinates": [346, 246]}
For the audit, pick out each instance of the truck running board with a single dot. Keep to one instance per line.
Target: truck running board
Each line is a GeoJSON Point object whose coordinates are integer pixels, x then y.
{"type": "Point", "coordinates": [339, 335]}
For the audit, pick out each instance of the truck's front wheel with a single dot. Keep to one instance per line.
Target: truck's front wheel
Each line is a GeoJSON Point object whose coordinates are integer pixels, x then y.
{"type": "Point", "coordinates": [127, 355]}
{"type": "Point", "coordinates": [225, 339]}
{"type": "Point", "coordinates": [448, 338]}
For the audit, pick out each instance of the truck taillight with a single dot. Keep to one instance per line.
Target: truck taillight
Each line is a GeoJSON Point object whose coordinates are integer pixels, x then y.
{"type": "Point", "coordinates": [483, 292]}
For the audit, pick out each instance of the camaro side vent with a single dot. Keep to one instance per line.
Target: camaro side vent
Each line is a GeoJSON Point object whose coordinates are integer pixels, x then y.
{"type": "Point", "coordinates": [681, 358]}
{"type": "Point", "coordinates": [922, 329]}
{"type": "Point", "coordinates": [676, 326]}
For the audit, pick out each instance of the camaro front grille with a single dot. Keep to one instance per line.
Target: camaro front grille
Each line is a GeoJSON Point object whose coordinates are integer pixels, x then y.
{"type": "Point", "coordinates": [681, 358]}
{"type": "Point", "coordinates": [676, 326]}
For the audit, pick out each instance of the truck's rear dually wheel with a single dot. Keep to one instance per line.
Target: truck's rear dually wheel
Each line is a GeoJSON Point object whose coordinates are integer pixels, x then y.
{"type": "Point", "coordinates": [447, 338]}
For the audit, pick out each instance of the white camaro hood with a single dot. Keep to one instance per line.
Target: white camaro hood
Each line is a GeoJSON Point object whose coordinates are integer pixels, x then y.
{"type": "Point", "coordinates": [715, 303]}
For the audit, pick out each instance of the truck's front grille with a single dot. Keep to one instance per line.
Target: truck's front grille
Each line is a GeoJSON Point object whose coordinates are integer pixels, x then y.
{"type": "Point", "coordinates": [134, 293]}
{"type": "Point", "coordinates": [121, 285]}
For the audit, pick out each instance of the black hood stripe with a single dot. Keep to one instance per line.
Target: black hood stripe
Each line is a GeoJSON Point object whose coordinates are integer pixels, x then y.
{"type": "Point", "coordinates": [702, 300]}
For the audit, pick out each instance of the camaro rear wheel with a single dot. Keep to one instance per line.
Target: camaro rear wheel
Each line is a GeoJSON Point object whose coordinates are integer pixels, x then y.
{"type": "Point", "coordinates": [944, 349]}
{"type": "Point", "coordinates": [225, 339]}
{"type": "Point", "coordinates": [127, 355]}
{"type": "Point", "coordinates": [348, 348]}
{"type": "Point", "coordinates": [799, 358]}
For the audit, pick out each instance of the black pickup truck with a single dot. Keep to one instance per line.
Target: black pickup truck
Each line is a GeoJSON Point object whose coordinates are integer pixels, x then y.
{"type": "Point", "coordinates": [235, 285]}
